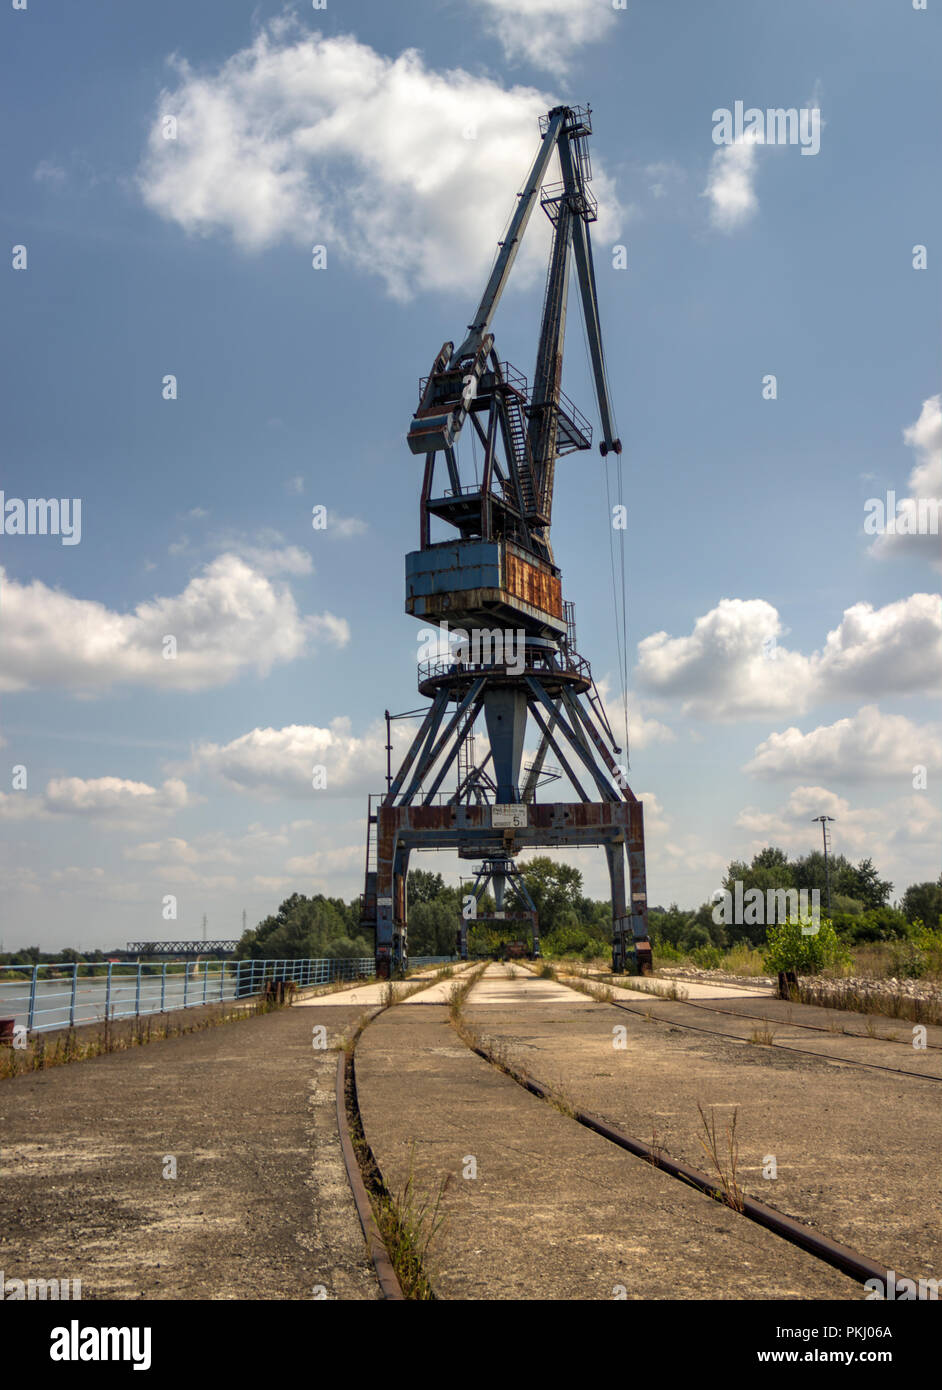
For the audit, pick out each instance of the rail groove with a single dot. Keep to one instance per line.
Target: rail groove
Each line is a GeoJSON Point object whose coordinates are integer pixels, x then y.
{"type": "Point", "coordinates": [783, 1047]}
{"type": "Point", "coordinates": [762, 1018]}
{"type": "Point", "coordinates": [840, 1257]}
{"type": "Point", "coordinates": [346, 1098]}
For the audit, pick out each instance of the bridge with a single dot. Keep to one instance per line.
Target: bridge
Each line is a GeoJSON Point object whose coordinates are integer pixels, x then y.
{"type": "Point", "coordinates": [179, 949]}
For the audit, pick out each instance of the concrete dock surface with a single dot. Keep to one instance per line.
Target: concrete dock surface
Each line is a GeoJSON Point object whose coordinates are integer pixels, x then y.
{"type": "Point", "coordinates": [515, 1199]}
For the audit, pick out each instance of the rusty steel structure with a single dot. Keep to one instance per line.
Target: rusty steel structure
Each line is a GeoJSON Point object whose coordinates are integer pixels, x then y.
{"type": "Point", "coordinates": [493, 584]}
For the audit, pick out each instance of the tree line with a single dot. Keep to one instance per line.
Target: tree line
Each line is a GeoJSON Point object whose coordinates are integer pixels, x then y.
{"type": "Point", "coordinates": [572, 922]}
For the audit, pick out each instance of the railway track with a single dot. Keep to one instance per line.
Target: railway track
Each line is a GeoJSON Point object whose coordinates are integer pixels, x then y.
{"type": "Point", "coordinates": [850, 1262]}
{"type": "Point", "coordinates": [769, 1023]}
{"type": "Point", "coordinates": [764, 1018]}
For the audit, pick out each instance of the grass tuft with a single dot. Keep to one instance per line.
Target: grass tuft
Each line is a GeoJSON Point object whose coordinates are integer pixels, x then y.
{"type": "Point", "coordinates": [725, 1164]}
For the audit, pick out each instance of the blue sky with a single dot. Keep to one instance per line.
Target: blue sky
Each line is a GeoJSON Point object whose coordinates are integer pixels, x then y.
{"type": "Point", "coordinates": [396, 137]}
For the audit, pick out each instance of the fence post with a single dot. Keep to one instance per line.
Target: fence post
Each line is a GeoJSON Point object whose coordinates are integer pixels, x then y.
{"type": "Point", "coordinates": [185, 979]}
{"type": "Point", "coordinates": [72, 1000]}
{"type": "Point", "coordinates": [108, 992]}
{"type": "Point", "coordinates": [137, 992]}
{"type": "Point", "coordinates": [32, 999]}
{"type": "Point", "coordinates": [163, 987]}
{"type": "Point", "coordinates": [205, 979]}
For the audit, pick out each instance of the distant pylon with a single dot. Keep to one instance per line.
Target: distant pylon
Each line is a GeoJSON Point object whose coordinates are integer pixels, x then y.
{"type": "Point", "coordinates": [826, 836]}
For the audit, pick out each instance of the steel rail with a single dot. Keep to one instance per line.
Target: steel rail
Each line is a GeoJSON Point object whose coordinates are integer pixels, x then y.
{"type": "Point", "coordinates": [831, 1252]}
{"type": "Point", "coordinates": [385, 1273]}
{"type": "Point", "coordinates": [790, 1022]}
{"type": "Point", "coordinates": [783, 1047]}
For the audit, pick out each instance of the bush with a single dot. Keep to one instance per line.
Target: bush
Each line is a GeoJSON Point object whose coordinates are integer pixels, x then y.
{"type": "Point", "coordinates": [921, 955]}
{"type": "Point", "coordinates": [807, 953]}
{"type": "Point", "coordinates": [666, 953]}
{"type": "Point", "coordinates": [573, 941]}
{"type": "Point", "coordinates": [707, 957]}
{"type": "Point", "coordinates": [879, 924]}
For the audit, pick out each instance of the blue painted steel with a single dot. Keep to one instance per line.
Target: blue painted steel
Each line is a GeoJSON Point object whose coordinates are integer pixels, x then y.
{"type": "Point", "coordinates": [57, 996]}
{"type": "Point", "coordinates": [441, 569]}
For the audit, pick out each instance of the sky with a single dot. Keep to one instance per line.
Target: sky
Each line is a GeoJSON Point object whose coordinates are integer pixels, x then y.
{"type": "Point", "coordinates": [168, 173]}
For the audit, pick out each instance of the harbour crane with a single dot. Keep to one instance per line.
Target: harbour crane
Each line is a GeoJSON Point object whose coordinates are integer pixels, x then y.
{"type": "Point", "coordinates": [494, 583]}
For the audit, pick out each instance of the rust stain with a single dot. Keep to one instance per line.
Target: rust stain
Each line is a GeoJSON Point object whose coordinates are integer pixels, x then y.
{"type": "Point", "coordinates": [533, 585]}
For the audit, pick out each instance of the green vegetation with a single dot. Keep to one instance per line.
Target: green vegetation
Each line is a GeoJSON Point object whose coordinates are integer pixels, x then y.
{"type": "Point", "coordinates": [860, 911]}
{"type": "Point", "coordinates": [76, 1045]}
{"type": "Point", "coordinates": [306, 929]}
{"type": "Point", "coordinates": [723, 1156]}
{"type": "Point", "coordinates": [795, 945]}
{"type": "Point", "coordinates": [901, 939]}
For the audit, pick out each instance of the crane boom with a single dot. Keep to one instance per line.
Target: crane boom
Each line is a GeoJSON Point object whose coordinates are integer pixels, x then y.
{"type": "Point", "coordinates": [523, 432]}
{"type": "Point", "coordinates": [511, 243]}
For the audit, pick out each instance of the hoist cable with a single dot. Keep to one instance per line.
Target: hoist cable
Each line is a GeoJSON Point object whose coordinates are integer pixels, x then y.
{"type": "Point", "coordinates": [621, 628]}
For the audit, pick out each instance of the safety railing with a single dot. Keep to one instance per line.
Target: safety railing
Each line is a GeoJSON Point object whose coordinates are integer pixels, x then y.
{"type": "Point", "coordinates": [534, 661]}
{"type": "Point", "coordinates": [60, 995]}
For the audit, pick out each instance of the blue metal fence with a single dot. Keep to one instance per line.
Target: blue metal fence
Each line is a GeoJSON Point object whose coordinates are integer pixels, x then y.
{"type": "Point", "coordinates": [62, 996]}
{"type": "Point", "coordinates": [65, 995]}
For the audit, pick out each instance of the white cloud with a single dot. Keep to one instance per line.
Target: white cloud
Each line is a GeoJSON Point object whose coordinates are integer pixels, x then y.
{"type": "Point", "coordinates": [215, 847]}
{"type": "Point", "coordinates": [20, 806]}
{"type": "Point", "coordinates": [730, 184]}
{"type": "Point", "coordinates": [732, 665]}
{"type": "Point", "coordinates": [730, 188]}
{"type": "Point", "coordinates": [896, 649]}
{"type": "Point", "coordinates": [925, 436]}
{"type": "Point", "coordinates": [545, 32]}
{"type": "Point", "coordinates": [47, 171]}
{"type": "Point", "coordinates": [176, 851]}
{"type": "Point", "coordinates": [288, 559]}
{"type": "Point", "coordinates": [905, 830]}
{"type": "Point", "coordinates": [643, 730]}
{"type": "Point", "coordinates": [791, 825]}
{"type": "Point", "coordinates": [665, 176]}
{"type": "Point", "coordinates": [323, 864]}
{"type": "Point", "coordinates": [867, 745]}
{"type": "Point", "coordinates": [230, 618]}
{"type": "Point", "coordinates": [265, 550]}
{"type": "Point", "coordinates": [723, 669]}
{"type": "Point", "coordinates": [113, 797]}
{"type": "Point", "coordinates": [280, 762]}
{"type": "Point", "coordinates": [925, 482]}
{"type": "Point", "coordinates": [400, 171]}
{"type": "Point", "coordinates": [344, 527]}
